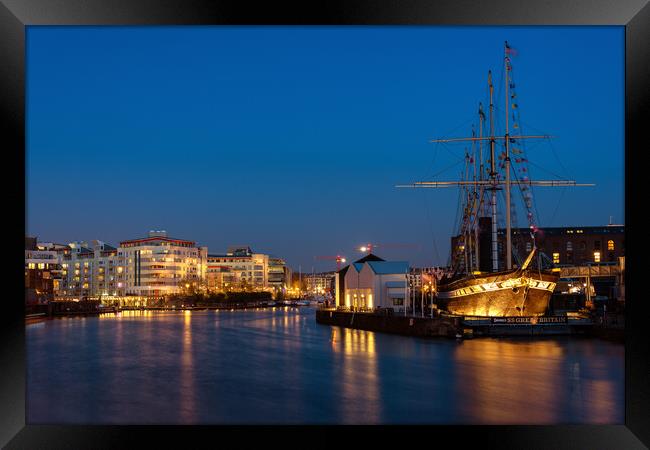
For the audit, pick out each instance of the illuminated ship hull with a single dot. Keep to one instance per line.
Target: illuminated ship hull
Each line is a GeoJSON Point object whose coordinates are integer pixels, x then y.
{"type": "Point", "coordinates": [499, 294]}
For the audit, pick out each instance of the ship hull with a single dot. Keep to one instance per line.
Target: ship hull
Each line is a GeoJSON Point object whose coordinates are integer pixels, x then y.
{"type": "Point", "coordinates": [499, 295]}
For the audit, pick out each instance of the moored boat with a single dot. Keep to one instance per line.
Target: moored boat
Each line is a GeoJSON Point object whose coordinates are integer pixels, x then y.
{"type": "Point", "coordinates": [518, 292]}
{"type": "Point", "coordinates": [473, 290]}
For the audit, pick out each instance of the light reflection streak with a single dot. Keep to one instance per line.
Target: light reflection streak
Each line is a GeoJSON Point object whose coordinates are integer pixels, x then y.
{"type": "Point", "coordinates": [359, 381]}
{"type": "Point", "coordinates": [509, 382]}
{"type": "Point", "coordinates": [530, 382]}
{"type": "Point", "coordinates": [187, 407]}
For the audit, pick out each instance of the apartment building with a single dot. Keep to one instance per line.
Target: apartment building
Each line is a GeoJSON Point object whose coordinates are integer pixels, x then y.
{"type": "Point", "coordinates": [241, 268]}
{"type": "Point", "coordinates": [42, 272]}
{"type": "Point", "coordinates": [90, 269]}
{"type": "Point", "coordinates": [158, 265]}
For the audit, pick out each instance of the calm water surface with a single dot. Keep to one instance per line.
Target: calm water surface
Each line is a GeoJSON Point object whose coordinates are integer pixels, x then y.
{"type": "Point", "coordinates": [279, 366]}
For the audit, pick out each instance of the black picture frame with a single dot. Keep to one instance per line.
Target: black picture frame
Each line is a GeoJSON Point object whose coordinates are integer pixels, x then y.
{"type": "Point", "coordinates": [634, 15]}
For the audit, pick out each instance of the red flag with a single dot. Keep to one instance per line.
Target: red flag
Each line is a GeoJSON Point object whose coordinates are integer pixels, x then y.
{"type": "Point", "coordinates": [511, 51]}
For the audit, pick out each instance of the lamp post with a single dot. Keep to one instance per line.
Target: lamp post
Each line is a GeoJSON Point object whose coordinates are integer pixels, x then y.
{"type": "Point", "coordinates": [431, 297]}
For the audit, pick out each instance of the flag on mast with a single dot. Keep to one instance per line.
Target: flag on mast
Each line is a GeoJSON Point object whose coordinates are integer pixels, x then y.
{"type": "Point", "coordinates": [510, 51]}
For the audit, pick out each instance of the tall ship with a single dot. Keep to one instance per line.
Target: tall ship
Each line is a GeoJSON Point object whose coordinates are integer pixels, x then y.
{"type": "Point", "coordinates": [470, 288]}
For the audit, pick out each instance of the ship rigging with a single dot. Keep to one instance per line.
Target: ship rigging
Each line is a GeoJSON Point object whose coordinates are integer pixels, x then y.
{"type": "Point", "coordinates": [498, 293]}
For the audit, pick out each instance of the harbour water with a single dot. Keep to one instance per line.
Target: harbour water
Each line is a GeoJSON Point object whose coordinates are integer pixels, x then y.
{"type": "Point", "coordinates": [278, 366]}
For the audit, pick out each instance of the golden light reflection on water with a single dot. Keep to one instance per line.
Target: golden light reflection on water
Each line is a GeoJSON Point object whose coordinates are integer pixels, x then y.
{"type": "Point", "coordinates": [483, 381]}
{"type": "Point", "coordinates": [187, 407]}
{"type": "Point", "coordinates": [359, 381]}
{"type": "Point", "coordinates": [524, 382]}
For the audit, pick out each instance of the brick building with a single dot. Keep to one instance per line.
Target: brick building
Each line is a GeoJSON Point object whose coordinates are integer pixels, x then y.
{"type": "Point", "coordinates": [564, 246]}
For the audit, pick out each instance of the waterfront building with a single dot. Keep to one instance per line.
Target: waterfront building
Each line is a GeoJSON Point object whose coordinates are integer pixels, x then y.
{"type": "Point", "coordinates": [373, 284]}
{"type": "Point", "coordinates": [564, 246]}
{"type": "Point", "coordinates": [89, 270]}
{"type": "Point", "coordinates": [241, 268]}
{"type": "Point", "coordinates": [339, 278]}
{"type": "Point", "coordinates": [320, 283]}
{"type": "Point", "coordinates": [157, 265]}
{"type": "Point", "coordinates": [60, 249]}
{"type": "Point", "coordinates": [43, 272]}
{"type": "Point", "coordinates": [279, 275]}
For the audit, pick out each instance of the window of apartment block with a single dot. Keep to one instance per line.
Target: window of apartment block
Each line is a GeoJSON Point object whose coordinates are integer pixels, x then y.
{"type": "Point", "coordinates": [556, 258]}
{"type": "Point", "coordinates": [596, 256]}
{"type": "Point", "coordinates": [610, 245]}
{"type": "Point", "coordinates": [596, 245]}
{"type": "Point", "coordinates": [569, 246]}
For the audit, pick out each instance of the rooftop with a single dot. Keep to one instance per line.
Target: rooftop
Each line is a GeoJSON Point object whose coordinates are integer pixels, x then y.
{"type": "Point", "coordinates": [388, 267]}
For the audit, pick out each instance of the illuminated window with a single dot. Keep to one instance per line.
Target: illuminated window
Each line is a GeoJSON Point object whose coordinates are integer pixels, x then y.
{"type": "Point", "coordinates": [31, 266]}
{"type": "Point", "coordinates": [596, 256]}
{"type": "Point", "coordinates": [610, 245]}
{"type": "Point", "coordinates": [41, 265]}
{"type": "Point", "coordinates": [556, 258]}
{"type": "Point", "coordinates": [86, 264]}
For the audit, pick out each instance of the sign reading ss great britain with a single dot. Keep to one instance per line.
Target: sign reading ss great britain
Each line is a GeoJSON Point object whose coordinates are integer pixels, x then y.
{"type": "Point", "coordinates": [529, 320]}
{"type": "Point", "coordinates": [471, 290]}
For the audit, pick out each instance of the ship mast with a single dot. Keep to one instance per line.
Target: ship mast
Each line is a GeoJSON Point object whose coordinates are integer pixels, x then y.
{"type": "Point", "coordinates": [477, 205]}
{"type": "Point", "coordinates": [493, 183]}
{"type": "Point", "coordinates": [493, 178]}
{"type": "Point", "coordinates": [481, 172]}
{"type": "Point", "coordinates": [507, 101]}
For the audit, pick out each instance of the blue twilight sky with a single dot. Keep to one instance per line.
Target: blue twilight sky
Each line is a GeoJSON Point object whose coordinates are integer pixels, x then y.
{"type": "Point", "coordinates": [291, 139]}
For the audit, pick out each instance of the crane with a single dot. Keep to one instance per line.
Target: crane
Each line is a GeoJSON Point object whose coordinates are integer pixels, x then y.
{"type": "Point", "coordinates": [339, 259]}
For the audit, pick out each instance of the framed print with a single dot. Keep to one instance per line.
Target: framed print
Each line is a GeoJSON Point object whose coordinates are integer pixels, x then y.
{"type": "Point", "coordinates": [380, 219]}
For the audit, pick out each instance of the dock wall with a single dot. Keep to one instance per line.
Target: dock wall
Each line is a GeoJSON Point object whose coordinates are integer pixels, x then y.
{"type": "Point", "coordinates": [409, 326]}
{"type": "Point", "coordinates": [445, 326]}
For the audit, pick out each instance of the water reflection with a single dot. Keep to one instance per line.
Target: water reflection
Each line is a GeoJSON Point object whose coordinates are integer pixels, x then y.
{"type": "Point", "coordinates": [279, 366]}
{"type": "Point", "coordinates": [358, 378]}
{"type": "Point", "coordinates": [529, 382]}
{"type": "Point", "coordinates": [187, 409]}
{"type": "Point", "coordinates": [500, 379]}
